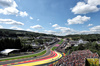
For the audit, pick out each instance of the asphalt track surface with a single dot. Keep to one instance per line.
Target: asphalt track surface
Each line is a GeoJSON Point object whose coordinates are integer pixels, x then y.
{"type": "Point", "coordinates": [48, 55]}
{"type": "Point", "coordinates": [40, 62]}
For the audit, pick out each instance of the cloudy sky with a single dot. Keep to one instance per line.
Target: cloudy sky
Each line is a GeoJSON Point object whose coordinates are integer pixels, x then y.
{"type": "Point", "coordinates": [58, 17]}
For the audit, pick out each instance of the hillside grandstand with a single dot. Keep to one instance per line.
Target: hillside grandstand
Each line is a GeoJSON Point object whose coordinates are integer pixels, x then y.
{"type": "Point", "coordinates": [76, 58]}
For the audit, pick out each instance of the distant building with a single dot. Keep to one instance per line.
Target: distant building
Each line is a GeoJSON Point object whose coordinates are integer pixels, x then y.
{"type": "Point", "coordinates": [45, 37]}
{"type": "Point", "coordinates": [35, 46]}
{"type": "Point", "coordinates": [59, 38]}
{"type": "Point", "coordinates": [98, 42]}
{"type": "Point", "coordinates": [81, 41]}
{"type": "Point", "coordinates": [26, 37]}
{"type": "Point", "coordinates": [8, 37]}
{"type": "Point", "coordinates": [76, 43]}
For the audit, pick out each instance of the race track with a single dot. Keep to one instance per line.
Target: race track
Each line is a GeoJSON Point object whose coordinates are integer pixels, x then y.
{"type": "Point", "coordinates": [47, 58]}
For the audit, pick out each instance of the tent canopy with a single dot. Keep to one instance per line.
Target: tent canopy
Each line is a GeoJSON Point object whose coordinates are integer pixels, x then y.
{"type": "Point", "coordinates": [6, 51]}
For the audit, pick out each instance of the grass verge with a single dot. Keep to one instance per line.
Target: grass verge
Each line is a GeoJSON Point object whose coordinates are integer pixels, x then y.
{"type": "Point", "coordinates": [67, 52]}
{"type": "Point", "coordinates": [38, 54]}
{"type": "Point", "coordinates": [53, 48]}
{"type": "Point", "coordinates": [60, 41]}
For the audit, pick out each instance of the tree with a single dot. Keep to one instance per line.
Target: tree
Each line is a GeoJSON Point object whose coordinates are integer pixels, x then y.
{"type": "Point", "coordinates": [39, 41]}
{"type": "Point", "coordinates": [94, 45]}
{"type": "Point", "coordinates": [80, 47]}
{"type": "Point", "coordinates": [10, 44]}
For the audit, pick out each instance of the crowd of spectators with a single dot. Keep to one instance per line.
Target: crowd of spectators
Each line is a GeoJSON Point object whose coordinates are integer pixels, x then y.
{"type": "Point", "coordinates": [76, 58]}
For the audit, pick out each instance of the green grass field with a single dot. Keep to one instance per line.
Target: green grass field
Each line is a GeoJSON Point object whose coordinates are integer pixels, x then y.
{"type": "Point", "coordinates": [38, 54]}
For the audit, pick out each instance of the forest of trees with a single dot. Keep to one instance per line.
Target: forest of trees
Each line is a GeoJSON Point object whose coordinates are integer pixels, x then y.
{"type": "Point", "coordinates": [10, 44]}
{"type": "Point", "coordinates": [14, 44]}
{"type": "Point", "coordinates": [88, 37]}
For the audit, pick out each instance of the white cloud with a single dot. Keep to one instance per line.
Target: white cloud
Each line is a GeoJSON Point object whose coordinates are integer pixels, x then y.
{"type": "Point", "coordinates": [55, 25]}
{"type": "Point", "coordinates": [90, 25]}
{"type": "Point", "coordinates": [84, 8]}
{"type": "Point", "coordinates": [78, 20]}
{"type": "Point", "coordinates": [31, 17]}
{"type": "Point", "coordinates": [9, 7]}
{"type": "Point", "coordinates": [1, 26]}
{"type": "Point", "coordinates": [68, 31]}
{"type": "Point", "coordinates": [94, 2]}
{"type": "Point", "coordinates": [38, 19]}
{"type": "Point", "coordinates": [9, 11]}
{"type": "Point", "coordinates": [23, 13]}
{"type": "Point", "coordinates": [29, 30]}
{"type": "Point", "coordinates": [49, 31]}
{"type": "Point", "coordinates": [10, 21]}
{"type": "Point", "coordinates": [52, 32]}
{"type": "Point", "coordinates": [63, 30]}
{"type": "Point", "coordinates": [36, 31]}
{"type": "Point", "coordinates": [95, 29]}
{"type": "Point", "coordinates": [8, 3]}
{"type": "Point", "coordinates": [36, 27]}
{"type": "Point", "coordinates": [16, 28]}
{"type": "Point", "coordinates": [83, 32]}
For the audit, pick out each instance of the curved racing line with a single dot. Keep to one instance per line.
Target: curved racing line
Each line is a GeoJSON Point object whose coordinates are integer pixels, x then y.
{"type": "Point", "coordinates": [44, 60]}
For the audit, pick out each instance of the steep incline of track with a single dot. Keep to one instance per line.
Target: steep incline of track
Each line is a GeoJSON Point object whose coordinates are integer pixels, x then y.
{"type": "Point", "coordinates": [52, 57]}
{"type": "Point", "coordinates": [49, 57]}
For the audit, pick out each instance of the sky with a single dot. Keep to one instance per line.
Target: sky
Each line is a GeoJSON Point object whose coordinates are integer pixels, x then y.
{"type": "Point", "coordinates": [58, 17]}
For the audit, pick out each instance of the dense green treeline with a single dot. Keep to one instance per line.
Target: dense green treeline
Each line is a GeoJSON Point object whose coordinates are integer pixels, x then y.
{"type": "Point", "coordinates": [16, 33]}
{"type": "Point", "coordinates": [10, 44]}
{"type": "Point", "coordinates": [89, 37]}
{"type": "Point", "coordinates": [16, 44]}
